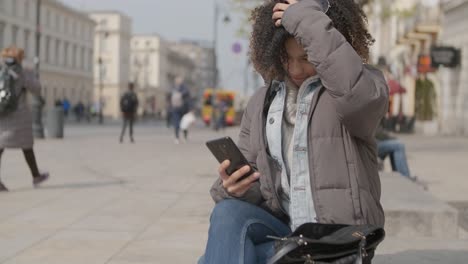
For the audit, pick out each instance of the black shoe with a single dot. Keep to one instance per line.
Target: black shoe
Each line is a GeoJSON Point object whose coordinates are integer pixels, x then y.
{"type": "Point", "coordinates": [3, 188]}
{"type": "Point", "coordinates": [132, 140]}
{"type": "Point", "coordinates": [40, 179]}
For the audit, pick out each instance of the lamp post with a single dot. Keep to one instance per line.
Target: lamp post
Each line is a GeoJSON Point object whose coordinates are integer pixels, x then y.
{"type": "Point", "coordinates": [215, 57]}
{"type": "Point", "coordinates": [38, 101]}
{"type": "Point", "coordinates": [101, 119]}
{"type": "Point", "coordinates": [102, 35]}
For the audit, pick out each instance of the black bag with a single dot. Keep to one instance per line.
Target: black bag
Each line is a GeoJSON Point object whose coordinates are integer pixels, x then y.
{"type": "Point", "coordinates": [128, 103]}
{"type": "Point", "coordinates": [327, 243]}
{"type": "Point", "coordinates": [9, 96]}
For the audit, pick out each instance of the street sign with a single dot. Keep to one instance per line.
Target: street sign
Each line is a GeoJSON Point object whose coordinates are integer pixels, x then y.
{"type": "Point", "coordinates": [445, 56]}
{"type": "Point", "coordinates": [236, 48]}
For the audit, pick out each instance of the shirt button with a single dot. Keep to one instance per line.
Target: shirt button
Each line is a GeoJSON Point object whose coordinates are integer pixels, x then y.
{"type": "Point", "coordinates": [272, 120]}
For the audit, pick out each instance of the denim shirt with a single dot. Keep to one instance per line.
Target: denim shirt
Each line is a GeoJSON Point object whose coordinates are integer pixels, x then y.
{"type": "Point", "coordinates": [296, 196]}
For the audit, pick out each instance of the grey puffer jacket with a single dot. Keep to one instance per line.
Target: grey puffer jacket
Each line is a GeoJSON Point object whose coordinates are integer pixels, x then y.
{"type": "Point", "coordinates": [344, 116]}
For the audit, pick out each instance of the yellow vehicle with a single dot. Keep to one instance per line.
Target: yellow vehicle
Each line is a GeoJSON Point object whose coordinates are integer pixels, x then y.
{"type": "Point", "coordinates": [225, 96]}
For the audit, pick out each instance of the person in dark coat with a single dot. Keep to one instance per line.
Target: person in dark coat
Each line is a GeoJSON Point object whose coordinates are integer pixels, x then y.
{"type": "Point", "coordinates": [128, 107]}
{"type": "Point", "coordinates": [16, 126]}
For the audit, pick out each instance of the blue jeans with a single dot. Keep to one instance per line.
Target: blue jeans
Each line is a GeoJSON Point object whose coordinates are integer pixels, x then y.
{"type": "Point", "coordinates": [237, 234]}
{"type": "Point", "coordinates": [396, 150]}
{"type": "Point", "coordinates": [176, 116]}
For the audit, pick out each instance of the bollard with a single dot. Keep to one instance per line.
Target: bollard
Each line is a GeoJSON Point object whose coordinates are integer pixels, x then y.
{"type": "Point", "coordinates": [55, 122]}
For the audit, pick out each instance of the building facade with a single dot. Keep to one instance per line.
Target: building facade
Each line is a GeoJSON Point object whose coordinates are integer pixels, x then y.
{"type": "Point", "coordinates": [66, 46]}
{"type": "Point", "coordinates": [111, 59]}
{"type": "Point", "coordinates": [203, 58]}
{"type": "Point", "coordinates": [149, 72]}
{"type": "Point", "coordinates": [404, 30]}
{"type": "Point", "coordinates": [454, 81]}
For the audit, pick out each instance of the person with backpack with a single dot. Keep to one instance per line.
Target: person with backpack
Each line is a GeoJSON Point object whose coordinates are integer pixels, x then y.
{"type": "Point", "coordinates": [179, 104]}
{"type": "Point", "coordinates": [128, 107]}
{"type": "Point", "coordinates": [15, 115]}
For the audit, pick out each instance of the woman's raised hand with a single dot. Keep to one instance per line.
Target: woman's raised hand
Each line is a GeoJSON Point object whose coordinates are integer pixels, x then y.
{"type": "Point", "coordinates": [279, 9]}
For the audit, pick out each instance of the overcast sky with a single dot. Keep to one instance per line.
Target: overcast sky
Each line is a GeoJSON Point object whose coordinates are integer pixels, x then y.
{"type": "Point", "coordinates": [183, 19]}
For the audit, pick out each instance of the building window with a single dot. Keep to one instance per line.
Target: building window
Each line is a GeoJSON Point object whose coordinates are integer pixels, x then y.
{"type": "Point", "coordinates": [2, 5]}
{"type": "Point", "coordinates": [65, 56]}
{"type": "Point", "coordinates": [83, 59]}
{"type": "Point", "coordinates": [13, 7]}
{"type": "Point", "coordinates": [74, 60]}
{"type": "Point", "coordinates": [103, 23]}
{"type": "Point", "coordinates": [55, 94]}
{"type": "Point", "coordinates": [26, 43]}
{"type": "Point", "coordinates": [27, 11]}
{"type": "Point", "coordinates": [44, 92]}
{"type": "Point", "coordinates": [90, 60]}
{"type": "Point", "coordinates": [47, 49]}
{"type": "Point", "coordinates": [49, 18]}
{"type": "Point", "coordinates": [103, 43]}
{"type": "Point", "coordinates": [14, 35]}
{"type": "Point", "coordinates": [2, 34]}
{"type": "Point", "coordinates": [57, 52]}
{"type": "Point", "coordinates": [74, 28]}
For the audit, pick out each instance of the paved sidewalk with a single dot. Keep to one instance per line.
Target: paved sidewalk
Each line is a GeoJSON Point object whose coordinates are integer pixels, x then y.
{"type": "Point", "coordinates": [149, 202]}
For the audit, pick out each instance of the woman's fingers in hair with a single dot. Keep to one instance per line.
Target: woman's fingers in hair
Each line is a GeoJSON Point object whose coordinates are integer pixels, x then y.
{"type": "Point", "coordinates": [280, 7]}
{"type": "Point", "coordinates": [278, 23]}
{"type": "Point", "coordinates": [278, 15]}
{"type": "Point", "coordinates": [278, 12]}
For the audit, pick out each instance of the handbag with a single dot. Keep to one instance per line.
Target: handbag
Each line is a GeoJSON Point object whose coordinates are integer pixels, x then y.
{"type": "Point", "coordinates": [327, 243]}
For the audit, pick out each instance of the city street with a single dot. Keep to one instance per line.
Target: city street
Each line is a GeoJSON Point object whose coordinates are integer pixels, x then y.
{"type": "Point", "coordinates": [149, 203]}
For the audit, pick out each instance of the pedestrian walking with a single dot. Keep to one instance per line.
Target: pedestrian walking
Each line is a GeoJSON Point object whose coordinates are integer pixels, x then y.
{"type": "Point", "coordinates": [309, 133]}
{"type": "Point", "coordinates": [179, 105]}
{"type": "Point", "coordinates": [79, 110]}
{"type": "Point", "coordinates": [168, 109]}
{"type": "Point", "coordinates": [128, 107]}
{"type": "Point", "coordinates": [15, 115]}
{"type": "Point", "coordinates": [66, 106]}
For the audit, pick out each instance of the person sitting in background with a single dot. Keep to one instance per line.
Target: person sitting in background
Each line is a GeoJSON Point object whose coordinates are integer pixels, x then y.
{"type": "Point", "coordinates": [395, 149]}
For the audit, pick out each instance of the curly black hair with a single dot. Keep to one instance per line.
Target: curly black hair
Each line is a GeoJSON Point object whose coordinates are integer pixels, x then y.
{"type": "Point", "coordinates": [267, 49]}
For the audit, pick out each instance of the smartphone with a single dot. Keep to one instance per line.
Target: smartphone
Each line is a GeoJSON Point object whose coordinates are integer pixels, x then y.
{"type": "Point", "coordinates": [225, 149]}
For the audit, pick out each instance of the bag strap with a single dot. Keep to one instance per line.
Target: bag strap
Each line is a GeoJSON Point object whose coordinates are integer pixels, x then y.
{"type": "Point", "coordinates": [285, 249]}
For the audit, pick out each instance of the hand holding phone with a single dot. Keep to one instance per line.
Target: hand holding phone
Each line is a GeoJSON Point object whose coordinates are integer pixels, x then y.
{"type": "Point", "coordinates": [234, 170]}
{"type": "Point", "coordinates": [232, 184]}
